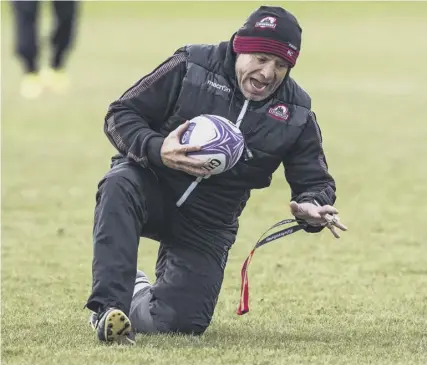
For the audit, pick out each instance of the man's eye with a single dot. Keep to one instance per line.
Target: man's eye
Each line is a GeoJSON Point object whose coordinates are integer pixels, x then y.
{"type": "Point", "coordinates": [262, 59]}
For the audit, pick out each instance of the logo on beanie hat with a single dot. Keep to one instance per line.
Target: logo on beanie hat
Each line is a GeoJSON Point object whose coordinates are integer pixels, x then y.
{"type": "Point", "coordinates": [267, 22]}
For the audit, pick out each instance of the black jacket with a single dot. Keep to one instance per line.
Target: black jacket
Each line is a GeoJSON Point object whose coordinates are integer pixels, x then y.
{"type": "Point", "coordinates": [200, 79]}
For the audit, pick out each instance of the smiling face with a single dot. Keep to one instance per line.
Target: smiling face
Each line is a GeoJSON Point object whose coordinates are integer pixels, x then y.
{"type": "Point", "coordinates": [259, 74]}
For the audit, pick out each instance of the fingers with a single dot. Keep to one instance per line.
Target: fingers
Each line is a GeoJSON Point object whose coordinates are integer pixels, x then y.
{"type": "Point", "coordinates": [333, 230]}
{"type": "Point", "coordinates": [191, 162]}
{"type": "Point", "coordinates": [194, 171]}
{"type": "Point", "coordinates": [190, 166]}
{"type": "Point", "coordinates": [334, 220]}
{"type": "Point", "coordinates": [189, 169]}
{"type": "Point", "coordinates": [327, 209]}
{"type": "Point", "coordinates": [188, 148]}
{"type": "Point", "coordinates": [341, 226]}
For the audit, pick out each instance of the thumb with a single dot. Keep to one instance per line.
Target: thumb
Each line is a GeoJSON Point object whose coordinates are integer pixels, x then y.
{"type": "Point", "coordinates": [181, 129]}
{"type": "Point", "coordinates": [294, 207]}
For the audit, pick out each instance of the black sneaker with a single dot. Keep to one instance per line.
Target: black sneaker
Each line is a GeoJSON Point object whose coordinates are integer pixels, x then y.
{"type": "Point", "coordinates": [113, 326]}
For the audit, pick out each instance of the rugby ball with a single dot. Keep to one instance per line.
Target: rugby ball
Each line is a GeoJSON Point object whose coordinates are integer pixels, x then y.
{"type": "Point", "coordinates": [221, 142]}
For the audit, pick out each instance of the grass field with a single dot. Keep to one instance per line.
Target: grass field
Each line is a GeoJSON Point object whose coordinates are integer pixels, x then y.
{"type": "Point", "coordinates": [314, 300]}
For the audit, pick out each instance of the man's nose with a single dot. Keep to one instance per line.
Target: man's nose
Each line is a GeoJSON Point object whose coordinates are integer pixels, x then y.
{"type": "Point", "coordinates": [268, 71]}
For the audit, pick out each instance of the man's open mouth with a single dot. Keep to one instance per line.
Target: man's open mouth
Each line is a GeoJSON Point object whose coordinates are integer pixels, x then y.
{"type": "Point", "coordinates": [259, 86]}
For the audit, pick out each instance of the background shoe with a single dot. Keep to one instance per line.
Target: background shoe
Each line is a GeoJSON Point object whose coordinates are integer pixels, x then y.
{"type": "Point", "coordinates": [55, 79]}
{"type": "Point", "coordinates": [113, 326]}
{"type": "Point", "coordinates": [31, 86]}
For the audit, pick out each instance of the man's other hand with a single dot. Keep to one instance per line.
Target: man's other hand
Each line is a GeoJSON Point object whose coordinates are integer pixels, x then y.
{"type": "Point", "coordinates": [315, 215]}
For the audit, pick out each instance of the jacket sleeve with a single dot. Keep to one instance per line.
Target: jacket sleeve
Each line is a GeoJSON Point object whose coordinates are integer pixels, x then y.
{"type": "Point", "coordinates": [306, 169]}
{"type": "Point", "coordinates": [133, 121]}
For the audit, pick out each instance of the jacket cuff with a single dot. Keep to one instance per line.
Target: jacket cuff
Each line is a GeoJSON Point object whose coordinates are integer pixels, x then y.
{"type": "Point", "coordinates": [154, 145]}
{"type": "Point", "coordinates": [313, 229]}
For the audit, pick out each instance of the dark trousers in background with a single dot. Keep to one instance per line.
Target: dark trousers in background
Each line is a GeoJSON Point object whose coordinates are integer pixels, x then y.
{"type": "Point", "coordinates": [190, 267]}
{"type": "Point", "coordinates": [27, 38]}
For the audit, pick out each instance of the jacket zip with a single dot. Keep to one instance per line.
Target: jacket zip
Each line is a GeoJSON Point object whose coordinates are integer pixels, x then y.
{"type": "Point", "coordinates": [248, 153]}
{"type": "Point", "coordinates": [242, 113]}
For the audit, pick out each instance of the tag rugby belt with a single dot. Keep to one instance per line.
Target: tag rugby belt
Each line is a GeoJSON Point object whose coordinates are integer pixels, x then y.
{"type": "Point", "coordinates": [244, 291]}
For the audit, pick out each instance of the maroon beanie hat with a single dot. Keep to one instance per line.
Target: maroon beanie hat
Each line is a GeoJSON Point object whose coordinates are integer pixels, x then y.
{"type": "Point", "coordinates": [270, 29]}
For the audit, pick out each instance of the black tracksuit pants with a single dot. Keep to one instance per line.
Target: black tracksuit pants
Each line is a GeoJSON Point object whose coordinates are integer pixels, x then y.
{"type": "Point", "coordinates": [27, 22]}
{"type": "Point", "coordinates": [130, 203]}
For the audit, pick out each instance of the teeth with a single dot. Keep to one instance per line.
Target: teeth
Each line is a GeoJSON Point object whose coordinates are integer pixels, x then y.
{"type": "Point", "coordinates": [258, 85]}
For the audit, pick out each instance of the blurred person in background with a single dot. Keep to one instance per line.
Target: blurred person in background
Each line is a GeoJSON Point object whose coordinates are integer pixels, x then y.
{"type": "Point", "coordinates": [244, 79]}
{"type": "Point", "coordinates": [27, 45]}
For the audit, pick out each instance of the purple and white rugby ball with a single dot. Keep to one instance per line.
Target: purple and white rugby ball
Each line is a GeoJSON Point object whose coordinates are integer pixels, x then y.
{"type": "Point", "coordinates": [221, 141]}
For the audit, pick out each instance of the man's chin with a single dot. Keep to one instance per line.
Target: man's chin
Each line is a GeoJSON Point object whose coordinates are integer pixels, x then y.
{"type": "Point", "coordinates": [257, 97]}
{"type": "Point", "coordinates": [253, 97]}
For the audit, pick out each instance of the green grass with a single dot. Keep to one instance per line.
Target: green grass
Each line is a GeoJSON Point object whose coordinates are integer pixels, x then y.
{"type": "Point", "coordinates": [314, 300]}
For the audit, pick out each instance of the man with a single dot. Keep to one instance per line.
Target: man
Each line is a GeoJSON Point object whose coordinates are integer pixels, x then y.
{"type": "Point", "coordinates": [244, 79]}
{"type": "Point", "coordinates": [27, 45]}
